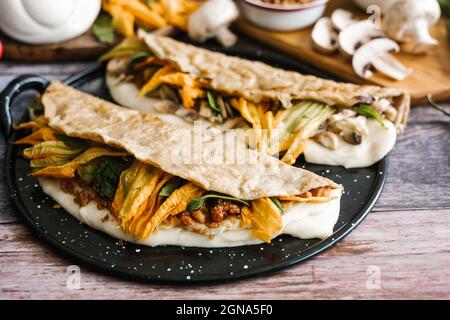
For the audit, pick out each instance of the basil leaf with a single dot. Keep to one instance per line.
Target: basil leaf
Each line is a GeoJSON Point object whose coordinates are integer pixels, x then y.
{"type": "Point", "coordinates": [87, 171]}
{"type": "Point", "coordinates": [149, 2]}
{"type": "Point", "coordinates": [103, 29]}
{"type": "Point", "coordinates": [196, 204]}
{"type": "Point", "coordinates": [212, 102]}
{"type": "Point", "coordinates": [170, 187]}
{"type": "Point", "coordinates": [277, 203]}
{"type": "Point", "coordinates": [107, 175]}
{"type": "Point", "coordinates": [369, 112]}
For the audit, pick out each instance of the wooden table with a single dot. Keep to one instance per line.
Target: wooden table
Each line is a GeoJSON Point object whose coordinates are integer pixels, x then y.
{"type": "Point", "coordinates": [401, 250]}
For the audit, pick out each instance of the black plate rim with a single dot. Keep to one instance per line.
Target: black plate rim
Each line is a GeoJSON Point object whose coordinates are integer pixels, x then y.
{"type": "Point", "coordinates": [74, 255]}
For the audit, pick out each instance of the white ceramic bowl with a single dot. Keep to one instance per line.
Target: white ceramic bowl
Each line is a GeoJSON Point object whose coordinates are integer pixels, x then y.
{"type": "Point", "coordinates": [282, 17]}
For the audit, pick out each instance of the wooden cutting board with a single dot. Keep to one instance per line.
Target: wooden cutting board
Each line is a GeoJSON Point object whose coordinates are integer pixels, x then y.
{"type": "Point", "coordinates": [431, 72]}
{"type": "Point", "coordinates": [84, 47]}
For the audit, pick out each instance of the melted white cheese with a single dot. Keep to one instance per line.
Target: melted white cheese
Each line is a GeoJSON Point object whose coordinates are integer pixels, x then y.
{"type": "Point", "coordinates": [304, 220]}
{"type": "Point", "coordinates": [373, 148]}
{"type": "Point", "coordinates": [47, 21]}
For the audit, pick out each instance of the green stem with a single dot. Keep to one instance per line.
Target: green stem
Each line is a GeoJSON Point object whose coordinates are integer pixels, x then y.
{"type": "Point", "coordinates": [436, 106]}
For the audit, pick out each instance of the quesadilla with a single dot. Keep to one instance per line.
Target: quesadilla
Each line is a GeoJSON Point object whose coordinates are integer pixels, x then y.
{"type": "Point", "coordinates": [127, 173]}
{"type": "Point", "coordinates": [287, 113]}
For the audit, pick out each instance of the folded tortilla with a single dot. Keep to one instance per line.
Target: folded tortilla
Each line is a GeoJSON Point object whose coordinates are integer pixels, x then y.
{"type": "Point", "coordinates": [257, 81]}
{"type": "Point", "coordinates": [258, 89]}
{"type": "Point", "coordinates": [262, 186]}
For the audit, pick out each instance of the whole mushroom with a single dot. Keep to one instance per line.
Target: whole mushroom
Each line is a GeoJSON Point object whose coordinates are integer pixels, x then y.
{"type": "Point", "coordinates": [408, 22]}
{"type": "Point", "coordinates": [212, 19]}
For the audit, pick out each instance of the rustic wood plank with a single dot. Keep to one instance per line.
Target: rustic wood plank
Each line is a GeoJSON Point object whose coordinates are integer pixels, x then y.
{"type": "Point", "coordinates": [417, 241]}
{"type": "Point", "coordinates": [64, 69]}
{"type": "Point", "coordinates": [419, 169]}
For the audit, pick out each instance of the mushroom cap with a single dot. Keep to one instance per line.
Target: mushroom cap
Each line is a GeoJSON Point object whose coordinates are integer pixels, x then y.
{"type": "Point", "coordinates": [210, 17]}
{"type": "Point", "coordinates": [356, 34]}
{"type": "Point", "coordinates": [324, 36]}
{"type": "Point", "coordinates": [342, 19]}
{"type": "Point", "coordinates": [402, 15]}
{"type": "Point", "coordinates": [376, 54]}
{"type": "Point", "coordinates": [408, 10]}
{"type": "Point", "coordinates": [408, 21]}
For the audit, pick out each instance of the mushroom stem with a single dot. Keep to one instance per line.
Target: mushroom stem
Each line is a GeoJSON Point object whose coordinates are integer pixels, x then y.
{"type": "Point", "coordinates": [421, 40]}
{"type": "Point", "coordinates": [387, 64]}
{"type": "Point", "coordinates": [225, 37]}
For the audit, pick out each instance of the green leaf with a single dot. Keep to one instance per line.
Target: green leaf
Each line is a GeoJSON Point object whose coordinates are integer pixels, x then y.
{"type": "Point", "coordinates": [445, 4]}
{"type": "Point", "coordinates": [369, 112]}
{"type": "Point", "coordinates": [212, 102]}
{"type": "Point", "coordinates": [107, 175]}
{"type": "Point", "coordinates": [196, 204]}
{"type": "Point", "coordinates": [172, 185]}
{"type": "Point", "coordinates": [149, 2]}
{"type": "Point", "coordinates": [103, 29]}
{"type": "Point", "coordinates": [277, 203]}
{"type": "Point", "coordinates": [127, 48]}
{"type": "Point", "coordinates": [87, 171]}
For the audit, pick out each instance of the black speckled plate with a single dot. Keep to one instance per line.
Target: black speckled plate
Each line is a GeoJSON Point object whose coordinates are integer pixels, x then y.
{"type": "Point", "coordinates": [178, 264]}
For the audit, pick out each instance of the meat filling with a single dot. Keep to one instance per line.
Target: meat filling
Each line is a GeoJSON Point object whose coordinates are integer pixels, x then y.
{"type": "Point", "coordinates": [212, 214]}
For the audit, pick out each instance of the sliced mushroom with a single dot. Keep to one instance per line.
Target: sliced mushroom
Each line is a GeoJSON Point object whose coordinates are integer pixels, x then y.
{"type": "Point", "coordinates": [350, 127]}
{"type": "Point", "coordinates": [188, 114]}
{"type": "Point", "coordinates": [376, 54]}
{"type": "Point", "coordinates": [342, 19]}
{"type": "Point", "coordinates": [384, 106]}
{"type": "Point", "coordinates": [221, 105]}
{"type": "Point", "coordinates": [327, 139]}
{"type": "Point", "coordinates": [356, 35]}
{"type": "Point", "coordinates": [324, 36]}
{"type": "Point", "coordinates": [212, 19]}
{"type": "Point", "coordinates": [205, 110]}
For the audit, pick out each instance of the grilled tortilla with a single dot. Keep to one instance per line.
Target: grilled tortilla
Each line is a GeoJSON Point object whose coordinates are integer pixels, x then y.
{"type": "Point", "coordinates": [126, 173]}
{"type": "Point", "coordinates": [289, 113]}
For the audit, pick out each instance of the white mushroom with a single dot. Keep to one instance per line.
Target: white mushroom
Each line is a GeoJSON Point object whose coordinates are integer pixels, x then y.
{"type": "Point", "coordinates": [342, 19]}
{"type": "Point", "coordinates": [212, 19]}
{"type": "Point", "coordinates": [356, 35]}
{"type": "Point", "coordinates": [376, 54]}
{"type": "Point", "coordinates": [327, 139]}
{"type": "Point", "coordinates": [408, 21]}
{"type": "Point", "coordinates": [384, 106]}
{"type": "Point", "coordinates": [324, 37]}
{"type": "Point", "coordinates": [347, 124]}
